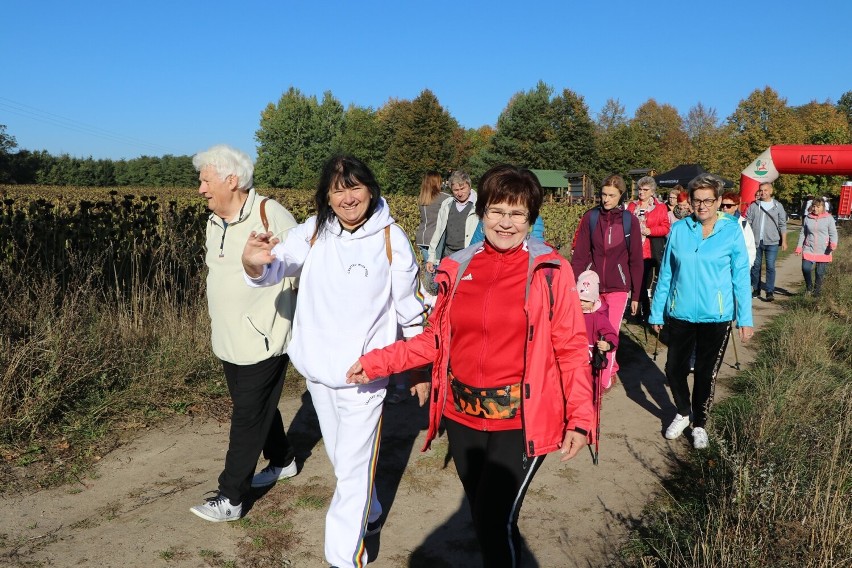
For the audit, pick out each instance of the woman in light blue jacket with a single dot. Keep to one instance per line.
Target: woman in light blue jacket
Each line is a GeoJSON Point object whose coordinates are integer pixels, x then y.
{"type": "Point", "coordinates": [703, 286]}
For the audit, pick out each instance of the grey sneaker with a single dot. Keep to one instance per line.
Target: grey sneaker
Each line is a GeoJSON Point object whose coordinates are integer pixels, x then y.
{"type": "Point", "coordinates": [218, 509]}
{"type": "Point", "coordinates": [677, 427]}
{"type": "Point", "coordinates": [699, 438]}
{"type": "Point", "coordinates": [270, 475]}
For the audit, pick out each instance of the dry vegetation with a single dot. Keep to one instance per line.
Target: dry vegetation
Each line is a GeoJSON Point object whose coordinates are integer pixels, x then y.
{"type": "Point", "coordinates": [774, 491]}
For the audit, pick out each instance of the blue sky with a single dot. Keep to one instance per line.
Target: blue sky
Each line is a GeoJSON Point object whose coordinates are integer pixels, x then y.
{"type": "Point", "coordinates": [121, 79]}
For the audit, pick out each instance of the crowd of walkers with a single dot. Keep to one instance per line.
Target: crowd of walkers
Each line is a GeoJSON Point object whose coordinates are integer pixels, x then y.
{"type": "Point", "coordinates": [514, 344]}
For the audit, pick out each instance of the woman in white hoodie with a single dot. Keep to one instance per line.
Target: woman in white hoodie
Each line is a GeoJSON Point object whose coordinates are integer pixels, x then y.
{"type": "Point", "coordinates": [358, 284]}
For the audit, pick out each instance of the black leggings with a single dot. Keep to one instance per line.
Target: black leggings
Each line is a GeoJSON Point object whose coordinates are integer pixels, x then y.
{"type": "Point", "coordinates": [709, 341]}
{"type": "Point", "coordinates": [495, 473]}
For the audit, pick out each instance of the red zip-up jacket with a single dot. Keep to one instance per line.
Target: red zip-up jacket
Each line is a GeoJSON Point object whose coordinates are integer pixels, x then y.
{"type": "Point", "coordinates": [556, 387]}
{"type": "Point", "coordinates": [605, 252]}
{"type": "Point", "coordinates": [657, 221]}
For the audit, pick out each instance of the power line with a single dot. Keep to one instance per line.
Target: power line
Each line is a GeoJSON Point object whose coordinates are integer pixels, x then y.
{"type": "Point", "coordinates": [33, 113]}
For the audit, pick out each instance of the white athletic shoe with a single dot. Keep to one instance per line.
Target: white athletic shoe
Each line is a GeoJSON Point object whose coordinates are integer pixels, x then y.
{"type": "Point", "coordinates": [270, 475]}
{"type": "Point", "coordinates": [677, 427]}
{"type": "Point", "coordinates": [699, 438]}
{"type": "Point", "coordinates": [218, 509]}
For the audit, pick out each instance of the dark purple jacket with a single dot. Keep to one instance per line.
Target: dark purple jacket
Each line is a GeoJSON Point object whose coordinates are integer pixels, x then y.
{"type": "Point", "coordinates": [605, 252]}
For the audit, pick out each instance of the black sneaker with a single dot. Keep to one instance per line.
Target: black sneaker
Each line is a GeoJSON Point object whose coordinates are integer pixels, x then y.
{"type": "Point", "coordinates": [770, 297]}
{"type": "Point", "coordinates": [755, 293]}
{"type": "Point", "coordinates": [373, 528]}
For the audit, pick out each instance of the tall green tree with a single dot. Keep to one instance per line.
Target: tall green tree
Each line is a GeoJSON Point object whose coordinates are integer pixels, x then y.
{"type": "Point", "coordinates": [525, 135]}
{"type": "Point", "coordinates": [295, 137]}
{"type": "Point", "coordinates": [7, 144]}
{"type": "Point", "coordinates": [361, 136]}
{"type": "Point", "coordinates": [664, 141]}
{"type": "Point", "coordinates": [844, 105]}
{"type": "Point", "coordinates": [575, 133]}
{"type": "Point", "coordinates": [420, 135]}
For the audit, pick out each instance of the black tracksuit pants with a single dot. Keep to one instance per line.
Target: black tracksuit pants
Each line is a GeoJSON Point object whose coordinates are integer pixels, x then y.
{"type": "Point", "coordinates": [709, 340]}
{"type": "Point", "coordinates": [256, 423]}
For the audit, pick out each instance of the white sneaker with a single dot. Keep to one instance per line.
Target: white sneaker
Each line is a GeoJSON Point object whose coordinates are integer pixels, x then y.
{"type": "Point", "coordinates": [677, 427]}
{"type": "Point", "coordinates": [699, 438]}
{"type": "Point", "coordinates": [270, 475]}
{"type": "Point", "coordinates": [218, 509]}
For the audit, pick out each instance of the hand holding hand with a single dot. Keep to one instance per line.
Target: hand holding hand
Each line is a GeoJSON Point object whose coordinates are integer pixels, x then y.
{"type": "Point", "coordinates": [356, 375]}
{"type": "Point", "coordinates": [258, 253]}
{"type": "Point", "coordinates": [422, 391]}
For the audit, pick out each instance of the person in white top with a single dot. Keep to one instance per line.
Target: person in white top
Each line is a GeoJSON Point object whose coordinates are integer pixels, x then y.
{"type": "Point", "coordinates": [359, 282]}
{"type": "Point", "coordinates": [731, 206]}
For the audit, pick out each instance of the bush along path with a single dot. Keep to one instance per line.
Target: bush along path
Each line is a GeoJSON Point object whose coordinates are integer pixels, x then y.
{"type": "Point", "coordinates": [132, 509]}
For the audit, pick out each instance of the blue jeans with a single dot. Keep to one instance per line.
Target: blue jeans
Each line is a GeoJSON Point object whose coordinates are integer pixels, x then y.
{"type": "Point", "coordinates": [808, 268]}
{"type": "Point", "coordinates": [771, 253]}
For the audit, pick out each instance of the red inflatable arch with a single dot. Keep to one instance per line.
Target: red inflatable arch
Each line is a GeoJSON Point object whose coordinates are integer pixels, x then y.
{"type": "Point", "coordinates": [776, 160]}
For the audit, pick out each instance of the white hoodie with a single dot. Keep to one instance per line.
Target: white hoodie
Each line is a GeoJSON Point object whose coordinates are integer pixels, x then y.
{"type": "Point", "coordinates": [351, 299]}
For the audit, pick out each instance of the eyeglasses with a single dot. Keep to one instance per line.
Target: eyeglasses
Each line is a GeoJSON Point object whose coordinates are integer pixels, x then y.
{"type": "Point", "coordinates": [517, 217]}
{"type": "Point", "coordinates": [708, 203]}
{"type": "Point", "coordinates": [729, 205]}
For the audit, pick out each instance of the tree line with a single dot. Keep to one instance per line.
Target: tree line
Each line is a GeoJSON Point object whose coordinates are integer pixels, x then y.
{"type": "Point", "coordinates": [539, 128]}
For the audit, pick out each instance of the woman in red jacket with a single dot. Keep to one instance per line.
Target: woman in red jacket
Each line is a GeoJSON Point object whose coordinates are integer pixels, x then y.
{"type": "Point", "coordinates": [654, 223]}
{"type": "Point", "coordinates": [511, 372]}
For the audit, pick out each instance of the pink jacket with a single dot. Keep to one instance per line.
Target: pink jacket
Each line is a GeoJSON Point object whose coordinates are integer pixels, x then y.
{"type": "Point", "coordinates": [557, 383]}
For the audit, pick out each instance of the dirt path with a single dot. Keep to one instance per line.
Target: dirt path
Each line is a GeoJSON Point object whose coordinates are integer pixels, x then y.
{"type": "Point", "coordinates": [133, 510]}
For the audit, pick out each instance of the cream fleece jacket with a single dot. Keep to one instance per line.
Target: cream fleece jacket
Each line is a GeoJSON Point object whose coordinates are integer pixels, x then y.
{"type": "Point", "coordinates": [248, 325]}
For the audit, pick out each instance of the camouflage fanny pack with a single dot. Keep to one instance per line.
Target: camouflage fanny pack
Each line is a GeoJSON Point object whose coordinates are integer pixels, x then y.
{"type": "Point", "coordinates": [494, 403]}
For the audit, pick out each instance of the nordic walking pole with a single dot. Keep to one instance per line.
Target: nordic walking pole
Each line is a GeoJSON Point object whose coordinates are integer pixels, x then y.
{"type": "Point", "coordinates": [736, 355]}
{"type": "Point", "coordinates": [657, 344]}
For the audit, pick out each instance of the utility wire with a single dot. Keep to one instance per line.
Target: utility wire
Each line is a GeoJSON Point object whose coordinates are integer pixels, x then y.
{"type": "Point", "coordinates": [33, 113]}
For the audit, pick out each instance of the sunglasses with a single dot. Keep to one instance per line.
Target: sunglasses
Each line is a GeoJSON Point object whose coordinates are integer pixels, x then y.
{"type": "Point", "coordinates": [728, 205]}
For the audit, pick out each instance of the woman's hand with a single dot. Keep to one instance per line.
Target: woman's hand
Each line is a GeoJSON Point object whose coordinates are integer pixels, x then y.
{"type": "Point", "coordinates": [571, 444]}
{"type": "Point", "coordinates": [634, 307]}
{"type": "Point", "coordinates": [258, 253]}
{"type": "Point", "coordinates": [603, 346]}
{"type": "Point", "coordinates": [430, 267]}
{"type": "Point", "coordinates": [657, 328]}
{"type": "Point", "coordinates": [422, 391]}
{"type": "Point", "coordinates": [356, 375]}
{"type": "Point", "coordinates": [746, 333]}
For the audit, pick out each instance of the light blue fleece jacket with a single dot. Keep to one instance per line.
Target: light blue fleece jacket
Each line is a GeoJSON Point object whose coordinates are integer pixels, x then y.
{"type": "Point", "coordinates": [700, 279]}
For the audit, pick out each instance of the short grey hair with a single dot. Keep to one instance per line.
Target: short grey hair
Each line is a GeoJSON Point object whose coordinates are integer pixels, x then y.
{"type": "Point", "coordinates": [228, 161]}
{"type": "Point", "coordinates": [706, 181]}
{"type": "Point", "coordinates": [459, 176]}
{"type": "Point", "coordinates": [647, 182]}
